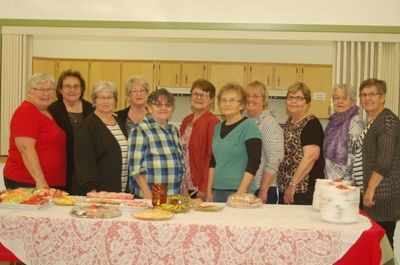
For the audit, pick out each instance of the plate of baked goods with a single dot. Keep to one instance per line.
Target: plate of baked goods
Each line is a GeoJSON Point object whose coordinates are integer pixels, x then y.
{"type": "Point", "coordinates": [245, 200]}
{"type": "Point", "coordinates": [123, 205]}
{"type": "Point", "coordinates": [95, 211]}
{"type": "Point", "coordinates": [66, 200]}
{"type": "Point", "coordinates": [154, 214]}
{"type": "Point", "coordinates": [207, 207]}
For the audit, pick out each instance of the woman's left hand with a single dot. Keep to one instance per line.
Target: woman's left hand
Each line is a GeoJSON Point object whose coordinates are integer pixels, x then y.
{"type": "Point", "coordinates": [368, 198]}
{"type": "Point", "coordinates": [289, 194]}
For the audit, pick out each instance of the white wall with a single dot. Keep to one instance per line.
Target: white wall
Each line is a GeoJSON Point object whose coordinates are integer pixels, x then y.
{"type": "Point", "coordinates": [339, 12]}
{"type": "Point", "coordinates": [316, 52]}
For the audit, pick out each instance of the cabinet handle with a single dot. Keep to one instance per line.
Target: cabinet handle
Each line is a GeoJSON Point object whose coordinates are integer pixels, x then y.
{"type": "Point", "coordinates": [267, 80]}
{"type": "Point", "coordinates": [186, 79]}
{"type": "Point", "coordinates": [176, 79]}
{"type": "Point", "coordinates": [279, 82]}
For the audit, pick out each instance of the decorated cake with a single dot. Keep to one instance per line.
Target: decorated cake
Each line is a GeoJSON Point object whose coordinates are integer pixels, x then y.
{"type": "Point", "coordinates": [245, 200]}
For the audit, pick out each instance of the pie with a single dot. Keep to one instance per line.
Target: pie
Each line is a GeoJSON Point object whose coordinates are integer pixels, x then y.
{"type": "Point", "coordinates": [207, 207]}
{"type": "Point", "coordinates": [94, 211]}
{"type": "Point", "coordinates": [245, 200]}
{"type": "Point", "coordinates": [153, 214]}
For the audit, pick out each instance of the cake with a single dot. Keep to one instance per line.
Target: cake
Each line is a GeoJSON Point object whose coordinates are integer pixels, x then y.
{"type": "Point", "coordinates": [339, 203]}
{"type": "Point", "coordinates": [317, 192]}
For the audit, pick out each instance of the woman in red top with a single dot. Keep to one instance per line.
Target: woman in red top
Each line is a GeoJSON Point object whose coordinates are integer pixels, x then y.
{"type": "Point", "coordinates": [197, 131]}
{"type": "Point", "coordinates": [37, 149]}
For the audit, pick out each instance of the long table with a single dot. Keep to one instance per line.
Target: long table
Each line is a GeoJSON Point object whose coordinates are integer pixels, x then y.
{"type": "Point", "coordinates": [271, 234]}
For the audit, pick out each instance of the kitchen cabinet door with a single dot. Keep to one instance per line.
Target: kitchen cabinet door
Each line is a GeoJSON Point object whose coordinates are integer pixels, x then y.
{"type": "Point", "coordinates": [144, 69]}
{"type": "Point", "coordinates": [106, 70]}
{"type": "Point", "coordinates": [78, 65]}
{"type": "Point", "coordinates": [263, 73]}
{"type": "Point", "coordinates": [221, 73]}
{"type": "Point", "coordinates": [285, 75]}
{"type": "Point", "coordinates": [169, 74]}
{"type": "Point", "coordinates": [44, 65]}
{"type": "Point", "coordinates": [192, 71]}
{"type": "Point", "coordinates": [319, 79]}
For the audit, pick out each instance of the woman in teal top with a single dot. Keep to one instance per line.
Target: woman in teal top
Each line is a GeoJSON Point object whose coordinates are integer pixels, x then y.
{"type": "Point", "coordinates": [236, 148]}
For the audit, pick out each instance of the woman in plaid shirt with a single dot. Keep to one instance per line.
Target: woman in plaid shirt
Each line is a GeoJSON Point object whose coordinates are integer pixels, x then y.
{"type": "Point", "coordinates": [155, 149]}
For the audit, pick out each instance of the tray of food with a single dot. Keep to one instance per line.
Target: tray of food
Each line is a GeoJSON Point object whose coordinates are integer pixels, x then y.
{"type": "Point", "coordinates": [245, 200]}
{"type": "Point", "coordinates": [109, 195]}
{"type": "Point", "coordinates": [23, 198]}
{"type": "Point", "coordinates": [66, 200]}
{"type": "Point", "coordinates": [208, 207]}
{"type": "Point", "coordinates": [95, 211]}
{"type": "Point", "coordinates": [154, 214]}
{"type": "Point", "coordinates": [123, 205]}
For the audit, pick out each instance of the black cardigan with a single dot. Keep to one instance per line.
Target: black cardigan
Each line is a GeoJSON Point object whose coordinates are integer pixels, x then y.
{"type": "Point", "coordinates": [60, 115]}
{"type": "Point", "coordinates": [97, 156]}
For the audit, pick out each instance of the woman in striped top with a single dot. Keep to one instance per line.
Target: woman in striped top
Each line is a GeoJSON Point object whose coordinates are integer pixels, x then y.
{"type": "Point", "coordinates": [272, 141]}
{"type": "Point", "coordinates": [100, 149]}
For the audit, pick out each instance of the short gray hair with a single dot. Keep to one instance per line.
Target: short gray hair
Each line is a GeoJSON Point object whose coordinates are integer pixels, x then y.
{"type": "Point", "coordinates": [105, 86]}
{"type": "Point", "coordinates": [349, 90]}
{"type": "Point", "coordinates": [39, 78]}
{"type": "Point", "coordinates": [138, 80]}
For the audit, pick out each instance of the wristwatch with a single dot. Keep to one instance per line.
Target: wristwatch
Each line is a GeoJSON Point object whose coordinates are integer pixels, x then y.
{"type": "Point", "coordinates": [292, 184]}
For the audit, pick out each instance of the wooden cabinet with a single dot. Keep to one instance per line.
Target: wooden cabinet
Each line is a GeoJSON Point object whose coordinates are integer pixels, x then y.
{"type": "Point", "coordinates": [106, 70]}
{"type": "Point", "coordinates": [191, 72]}
{"type": "Point", "coordinates": [45, 65]}
{"type": "Point", "coordinates": [262, 72]}
{"type": "Point", "coordinates": [179, 74]}
{"type": "Point", "coordinates": [221, 73]}
{"type": "Point", "coordinates": [285, 75]}
{"type": "Point", "coordinates": [319, 79]}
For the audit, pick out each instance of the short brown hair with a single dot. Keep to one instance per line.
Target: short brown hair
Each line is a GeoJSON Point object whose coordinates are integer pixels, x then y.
{"type": "Point", "coordinates": [379, 84]}
{"type": "Point", "coordinates": [70, 73]}
{"type": "Point", "coordinates": [300, 86]}
{"type": "Point", "coordinates": [204, 85]}
{"type": "Point", "coordinates": [161, 93]}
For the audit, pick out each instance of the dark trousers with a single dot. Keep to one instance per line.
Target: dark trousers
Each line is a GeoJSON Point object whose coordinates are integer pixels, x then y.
{"type": "Point", "coordinates": [273, 195]}
{"type": "Point", "coordinates": [389, 229]}
{"type": "Point", "coordinates": [299, 198]}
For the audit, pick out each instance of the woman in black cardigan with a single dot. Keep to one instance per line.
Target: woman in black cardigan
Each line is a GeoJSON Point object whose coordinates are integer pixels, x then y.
{"type": "Point", "coordinates": [69, 110]}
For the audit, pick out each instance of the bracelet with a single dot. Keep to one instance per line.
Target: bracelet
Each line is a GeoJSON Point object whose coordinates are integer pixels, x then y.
{"type": "Point", "coordinates": [292, 184]}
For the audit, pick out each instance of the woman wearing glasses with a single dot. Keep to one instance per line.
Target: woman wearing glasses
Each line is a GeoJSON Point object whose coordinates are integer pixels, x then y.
{"type": "Point", "coordinates": [197, 130]}
{"type": "Point", "coordinates": [344, 128]}
{"type": "Point", "coordinates": [100, 148]}
{"type": "Point", "coordinates": [37, 149]}
{"type": "Point", "coordinates": [155, 149]}
{"type": "Point", "coordinates": [236, 148]}
{"type": "Point", "coordinates": [380, 157]}
{"type": "Point", "coordinates": [137, 90]}
{"type": "Point", "coordinates": [303, 161]}
{"type": "Point", "coordinates": [69, 110]}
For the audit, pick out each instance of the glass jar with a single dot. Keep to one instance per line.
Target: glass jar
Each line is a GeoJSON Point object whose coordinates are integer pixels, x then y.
{"type": "Point", "coordinates": [159, 193]}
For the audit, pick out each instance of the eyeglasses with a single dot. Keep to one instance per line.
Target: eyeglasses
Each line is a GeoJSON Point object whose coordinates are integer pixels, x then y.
{"type": "Point", "coordinates": [253, 96]}
{"type": "Point", "coordinates": [225, 101]}
{"type": "Point", "coordinates": [159, 105]}
{"type": "Point", "coordinates": [44, 90]}
{"type": "Point", "coordinates": [293, 98]}
{"type": "Point", "coordinates": [369, 95]}
{"type": "Point", "coordinates": [342, 98]}
{"type": "Point", "coordinates": [72, 87]}
{"type": "Point", "coordinates": [200, 95]}
{"type": "Point", "coordinates": [109, 98]}
{"type": "Point", "coordinates": [137, 92]}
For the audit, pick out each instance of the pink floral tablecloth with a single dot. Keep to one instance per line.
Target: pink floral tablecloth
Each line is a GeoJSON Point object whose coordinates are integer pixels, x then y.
{"type": "Point", "coordinates": [268, 235]}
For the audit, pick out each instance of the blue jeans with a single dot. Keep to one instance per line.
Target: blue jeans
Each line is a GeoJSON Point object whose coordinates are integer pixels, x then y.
{"type": "Point", "coordinates": [222, 195]}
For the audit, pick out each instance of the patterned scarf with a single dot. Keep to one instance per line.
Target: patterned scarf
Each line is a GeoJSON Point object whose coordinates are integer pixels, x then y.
{"type": "Point", "coordinates": [336, 136]}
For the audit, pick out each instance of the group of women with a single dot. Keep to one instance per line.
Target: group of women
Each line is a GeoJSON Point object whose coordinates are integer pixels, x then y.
{"type": "Point", "coordinates": [81, 147]}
